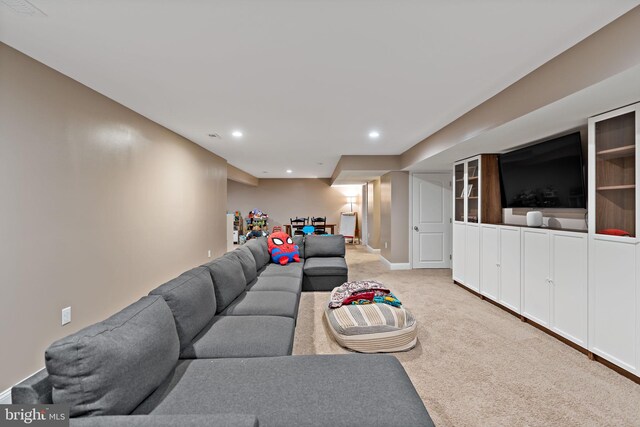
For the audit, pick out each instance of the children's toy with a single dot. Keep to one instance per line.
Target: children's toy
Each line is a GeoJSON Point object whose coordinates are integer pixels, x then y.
{"type": "Point", "coordinates": [257, 217]}
{"type": "Point", "coordinates": [282, 248]}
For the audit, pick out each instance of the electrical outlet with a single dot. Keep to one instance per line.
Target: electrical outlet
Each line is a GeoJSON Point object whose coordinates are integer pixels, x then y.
{"type": "Point", "coordinates": [209, 253]}
{"type": "Point", "coordinates": [66, 315]}
{"type": "Point", "coordinates": [385, 245]}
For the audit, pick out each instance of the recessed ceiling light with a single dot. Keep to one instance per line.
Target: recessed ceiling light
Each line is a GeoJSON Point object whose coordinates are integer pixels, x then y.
{"type": "Point", "coordinates": [214, 135]}
{"type": "Point", "coordinates": [320, 163]}
{"type": "Point", "coordinates": [236, 133]}
{"type": "Point", "coordinates": [374, 134]}
{"type": "Point", "coordinates": [265, 172]}
{"type": "Point", "coordinates": [289, 171]}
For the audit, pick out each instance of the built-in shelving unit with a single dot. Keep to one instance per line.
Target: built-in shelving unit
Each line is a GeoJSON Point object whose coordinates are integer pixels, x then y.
{"type": "Point", "coordinates": [615, 172]}
{"type": "Point", "coordinates": [614, 282]}
{"type": "Point", "coordinates": [477, 190]}
{"type": "Point", "coordinates": [582, 287]}
{"type": "Point", "coordinates": [476, 200]}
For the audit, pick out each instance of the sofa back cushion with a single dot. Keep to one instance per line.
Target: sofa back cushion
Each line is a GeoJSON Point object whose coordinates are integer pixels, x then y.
{"type": "Point", "coordinates": [299, 240]}
{"type": "Point", "coordinates": [228, 279]}
{"type": "Point", "coordinates": [324, 246]}
{"type": "Point", "coordinates": [192, 301]}
{"type": "Point", "coordinates": [248, 263]}
{"type": "Point", "coordinates": [260, 251]}
{"type": "Point", "coordinates": [109, 368]}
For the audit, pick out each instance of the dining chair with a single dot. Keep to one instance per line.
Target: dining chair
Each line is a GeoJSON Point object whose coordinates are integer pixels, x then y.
{"type": "Point", "coordinates": [320, 223]}
{"type": "Point", "coordinates": [297, 224]}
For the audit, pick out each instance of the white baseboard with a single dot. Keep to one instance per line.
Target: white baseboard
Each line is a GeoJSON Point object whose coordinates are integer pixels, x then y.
{"type": "Point", "coordinates": [5, 397]}
{"type": "Point", "coordinates": [395, 265]}
{"type": "Point", "coordinates": [373, 251]}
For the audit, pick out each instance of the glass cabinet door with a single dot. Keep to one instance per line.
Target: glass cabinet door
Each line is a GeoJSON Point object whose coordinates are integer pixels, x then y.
{"type": "Point", "coordinates": [615, 147]}
{"type": "Point", "coordinates": [473, 171]}
{"type": "Point", "coordinates": [459, 192]}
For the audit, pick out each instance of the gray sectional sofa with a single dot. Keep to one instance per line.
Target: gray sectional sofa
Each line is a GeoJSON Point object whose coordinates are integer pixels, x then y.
{"type": "Point", "coordinates": [212, 347]}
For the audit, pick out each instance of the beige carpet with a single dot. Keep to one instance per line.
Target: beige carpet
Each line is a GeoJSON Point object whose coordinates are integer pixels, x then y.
{"type": "Point", "coordinates": [476, 365]}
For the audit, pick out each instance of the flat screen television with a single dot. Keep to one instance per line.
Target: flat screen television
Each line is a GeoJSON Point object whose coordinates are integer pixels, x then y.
{"type": "Point", "coordinates": [545, 175]}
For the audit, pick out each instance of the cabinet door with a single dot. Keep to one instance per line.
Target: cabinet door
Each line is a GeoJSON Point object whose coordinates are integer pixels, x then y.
{"type": "Point", "coordinates": [472, 258]}
{"type": "Point", "coordinates": [535, 276]}
{"type": "Point", "coordinates": [612, 302]}
{"type": "Point", "coordinates": [459, 236]}
{"type": "Point", "coordinates": [489, 261]}
{"type": "Point", "coordinates": [510, 267]}
{"type": "Point", "coordinates": [569, 286]}
{"type": "Point", "coordinates": [459, 192]}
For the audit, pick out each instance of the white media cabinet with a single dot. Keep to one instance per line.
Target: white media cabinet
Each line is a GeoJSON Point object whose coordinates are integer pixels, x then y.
{"type": "Point", "coordinates": [583, 286]}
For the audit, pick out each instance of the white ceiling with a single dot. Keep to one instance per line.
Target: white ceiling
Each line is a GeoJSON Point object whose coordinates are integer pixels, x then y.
{"type": "Point", "coordinates": [305, 80]}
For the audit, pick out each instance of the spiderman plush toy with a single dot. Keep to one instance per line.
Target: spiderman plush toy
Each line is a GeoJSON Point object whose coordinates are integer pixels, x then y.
{"type": "Point", "coordinates": [282, 249]}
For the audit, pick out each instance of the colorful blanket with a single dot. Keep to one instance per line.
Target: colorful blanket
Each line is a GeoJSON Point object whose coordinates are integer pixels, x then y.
{"type": "Point", "coordinates": [351, 292]}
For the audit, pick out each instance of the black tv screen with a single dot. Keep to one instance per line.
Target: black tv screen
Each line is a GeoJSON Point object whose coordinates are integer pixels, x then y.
{"type": "Point", "coordinates": [545, 175]}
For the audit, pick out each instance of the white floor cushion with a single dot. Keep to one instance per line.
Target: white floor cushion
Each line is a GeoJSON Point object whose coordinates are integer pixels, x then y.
{"type": "Point", "coordinates": [372, 328]}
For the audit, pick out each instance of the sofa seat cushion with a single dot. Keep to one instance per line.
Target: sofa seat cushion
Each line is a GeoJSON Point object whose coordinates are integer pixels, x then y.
{"type": "Point", "coordinates": [192, 301]}
{"type": "Point", "coordinates": [330, 266]}
{"type": "Point", "coordinates": [111, 367]}
{"type": "Point", "coordinates": [274, 283]}
{"type": "Point", "coordinates": [322, 283]}
{"type": "Point", "coordinates": [295, 391]}
{"type": "Point", "coordinates": [228, 279]}
{"type": "Point", "coordinates": [243, 336]}
{"type": "Point", "coordinates": [260, 251]}
{"type": "Point", "coordinates": [293, 269]}
{"type": "Point", "coordinates": [267, 303]}
{"type": "Point", "coordinates": [324, 246]}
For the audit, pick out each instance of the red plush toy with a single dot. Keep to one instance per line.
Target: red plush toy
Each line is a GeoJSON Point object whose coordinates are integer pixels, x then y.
{"type": "Point", "coordinates": [282, 249]}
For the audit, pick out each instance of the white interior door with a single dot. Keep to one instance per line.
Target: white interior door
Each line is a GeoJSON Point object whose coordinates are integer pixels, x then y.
{"type": "Point", "coordinates": [431, 220]}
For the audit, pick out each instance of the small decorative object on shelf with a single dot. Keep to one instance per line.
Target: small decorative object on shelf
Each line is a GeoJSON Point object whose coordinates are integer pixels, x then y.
{"type": "Point", "coordinates": [534, 219]}
{"type": "Point", "coordinates": [614, 232]}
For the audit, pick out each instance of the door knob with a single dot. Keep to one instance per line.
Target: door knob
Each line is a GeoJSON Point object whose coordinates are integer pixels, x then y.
{"type": "Point", "coordinates": [415, 227]}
